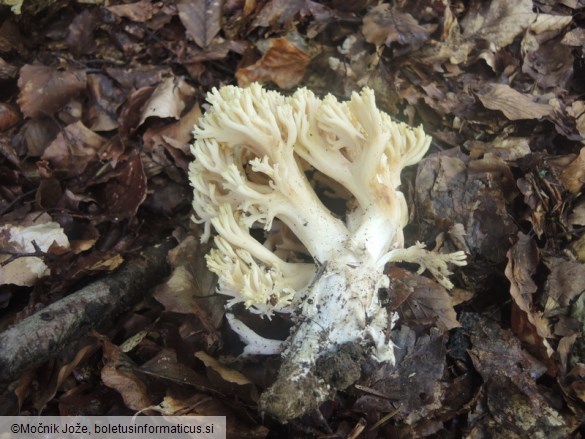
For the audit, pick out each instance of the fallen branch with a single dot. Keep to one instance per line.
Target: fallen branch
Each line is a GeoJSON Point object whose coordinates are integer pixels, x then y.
{"type": "Point", "coordinates": [43, 335]}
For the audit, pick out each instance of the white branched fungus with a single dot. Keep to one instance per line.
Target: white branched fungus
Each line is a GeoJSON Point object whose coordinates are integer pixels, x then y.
{"type": "Point", "coordinates": [258, 155]}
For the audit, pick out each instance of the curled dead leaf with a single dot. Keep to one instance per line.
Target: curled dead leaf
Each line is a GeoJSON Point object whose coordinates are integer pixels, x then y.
{"type": "Point", "coordinates": [119, 374]}
{"type": "Point", "coordinates": [168, 99]}
{"type": "Point", "coordinates": [528, 321]}
{"type": "Point", "coordinates": [283, 63]}
{"type": "Point", "coordinates": [73, 149]}
{"type": "Point", "coordinates": [228, 374]}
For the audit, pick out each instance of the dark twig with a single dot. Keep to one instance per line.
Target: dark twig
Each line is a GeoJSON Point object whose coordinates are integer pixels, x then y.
{"type": "Point", "coordinates": [43, 335]}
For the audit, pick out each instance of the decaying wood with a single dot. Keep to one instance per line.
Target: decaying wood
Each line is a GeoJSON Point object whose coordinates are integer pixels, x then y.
{"type": "Point", "coordinates": [44, 334]}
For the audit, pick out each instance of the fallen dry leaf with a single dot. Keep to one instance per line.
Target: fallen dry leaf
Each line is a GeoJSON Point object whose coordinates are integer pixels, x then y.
{"type": "Point", "coordinates": [385, 24]}
{"type": "Point", "coordinates": [512, 103]}
{"type": "Point", "coordinates": [573, 176]}
{"type": "Point", "coordinates": [104, 100]}
{"type": "Point", "coordinates": [577, 111]}
{"type": "Point", "coordinates": [140, 11]}
{"type": "Point", "coordinates": [523, 259]}
{"type": "Point", "coordinates": [283, 63]}
{"type": "Point", "coordinates": [168, 99]}
{"type": "Point", "coordinates": [177, 135]}
{"type": "Point", "coordinates": [165, 366]}
{"type": "Point", "coordinates": [228, 374]}
{"type": "Point", "coordinates": [551, 65]}
{"type": "Point", "coordinates": [577, 216]}
{"type": "Point", "coordinates": [119, 374]}
{"type": "Point", "coordinates": [278, 14]}
{"type": "Point", "coordinates": [202, 20]}
{"type": "Point", "coordinates": [564, 283]}
{"type": "Point", "coordinates": [426, 301]}
{"type": "Point", "coordinates": [63, 369]}
{"type": "Point", "coordinates": [73, 149]}
{"type": "Point", "coordinates": [451, 188]}
{"type": "Point", "coordinates": [16, 239]}
{"type": "Point", "coordinates": [498, 21]}
{"type": "Point", "coordinates": [412, 389]}
{"type": "Point", "coordinates": [575, 37]}
{"type": "Point", "coordinates": [7, 71]}
{"type": "Point", "coordinates": [44, 90]}
{"type": "Point", "coordinates": [9, 116]}
{"type": "Point", "coordinates": [80, 38]}
{"type": "Point", "coordinates": [511, 394]}
{"type": "Point", "coordinates": [126, 192]}
{"type": "Point", "coordinates": [548, 26]}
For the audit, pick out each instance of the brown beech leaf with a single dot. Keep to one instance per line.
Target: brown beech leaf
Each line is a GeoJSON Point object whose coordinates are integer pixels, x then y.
{"type": "Point", "coordinates": [126, 192]}
{"type": "Point", "coordinates": [523, 259]}
{"type": "Point", "coordinates": [73, 149]}
{"type": "Point", "coordinates": [62, 370]}
{"type": "Point", "coordinates": [512, 103]}
{"type": "Point", "coordinates": [574, 38]}
{"type": "Point", "coordinates": [138, 77]}
{"type": "Point", "coordinates": [140, 11]}
{"type": "Point", "coordinates": [384, 24]}
{"type": "Point", "coordinates": [44, 90]}
{"type": "Point", "coordinates": [283, 63]}
{"type": "Point", "coordinates": [37, 135]}
{"type": "Point", "coordinates": [551, 65]}
{"type": "Point", "coordinates": [104, 100]}
{"type": "Point", "coordinates": [510, 394]}
{"type": "Point", "coordinates": [9, 116]}
{"type": "Point", "coordinates": [179, 294]}
{"type": "Point", "coordinates": [565, 282]}
{"type": "Point", "coordinates": [577, 112]}
{"type": "Point", "coordinates": [548, 26]}
{"type": "Point", "coordinates": [11, 39]}
{"type": "Point", "coordinates": [498, 21]}
{"type": "Point", "coordinates": [577, 216]}
{"type": "Point", "coordinates": [451, 187]}
{"type": "Point", "coordinates": [188, 288]}
{"type": "Point", "coordinates": [131, 111]}
{"type": "Point", "coordinates": [202, 20]}
{"type": "Point", "coordinates": [80, 38]}
{"type": "Point", "coordinates": [165, 365]}
{"type": "Point", "coordinates": [426, 301]}
{"type": "Point", "coordinates": [168, 99]}
{"type": "Point", "coordinates": [412, 387]}
{"type": "Point", "coordinates": [278, 13]}
{"type": "Point", "coordinates": [573, 176]}
{"type": "Point", "coordinates": [228, 374]}
{"type": "Point", "coordinates": [177, 135]}
{"type": "Point", "coordinates": [119, 374]}
{"type": "Point", "coordinates": [7, 71]}
{"type": "Point", "coordinates": [227, 380]}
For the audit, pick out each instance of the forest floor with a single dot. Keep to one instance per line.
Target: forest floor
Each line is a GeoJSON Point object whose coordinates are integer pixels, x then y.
{"type": "Point", "coordinates": [97, 106]}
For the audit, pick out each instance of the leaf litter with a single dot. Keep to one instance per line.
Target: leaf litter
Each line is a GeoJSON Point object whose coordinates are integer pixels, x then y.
{"type": "Point", "coordinates": [96, 112]}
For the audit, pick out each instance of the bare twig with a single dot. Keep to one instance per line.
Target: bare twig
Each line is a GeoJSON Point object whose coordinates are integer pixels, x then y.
{"type": "Point", "coordinates": [44, 334]}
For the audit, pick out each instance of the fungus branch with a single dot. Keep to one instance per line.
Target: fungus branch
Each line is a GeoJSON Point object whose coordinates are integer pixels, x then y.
{"type": "Point", "coordinates": [253, 151]}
